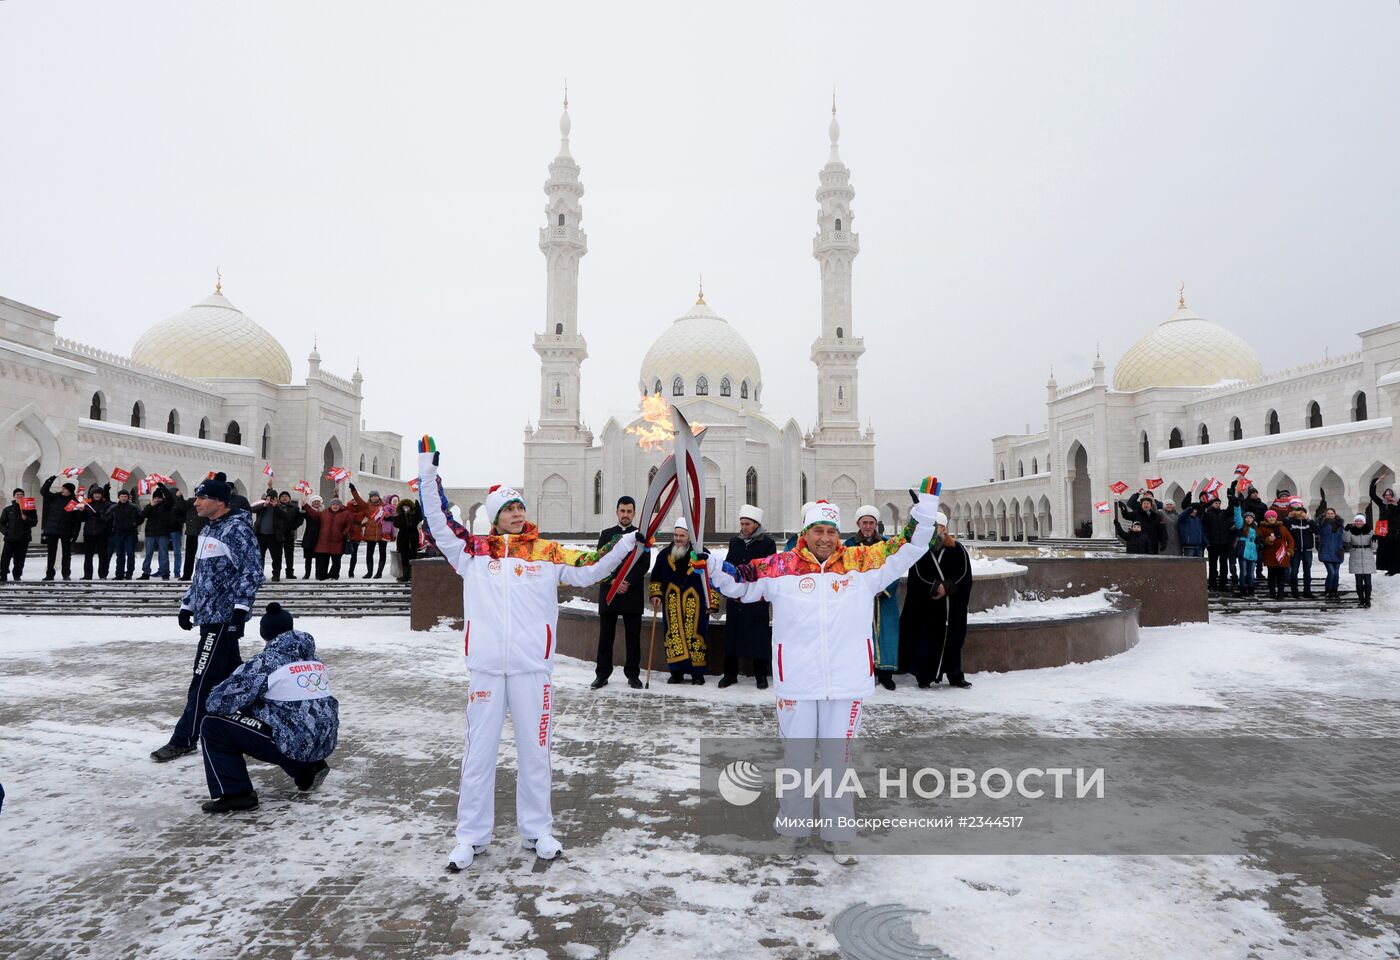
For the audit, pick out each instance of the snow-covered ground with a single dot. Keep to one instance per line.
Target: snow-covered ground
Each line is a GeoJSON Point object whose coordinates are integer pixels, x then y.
{"type": "Point", "coordinates": [105, 851]}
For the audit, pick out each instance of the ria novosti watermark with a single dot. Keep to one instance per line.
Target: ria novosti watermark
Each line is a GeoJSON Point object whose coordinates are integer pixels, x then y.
{"type": "Point", "coordinates": [1145, 795]}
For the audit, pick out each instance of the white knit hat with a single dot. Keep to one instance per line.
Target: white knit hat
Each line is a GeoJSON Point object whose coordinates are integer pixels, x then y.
{"type": "Point", "coordinates": [821, 512]}
{"type": "Point", "coordinates": [680, 524]}
{"type": "Point", "coordinates": [749, 512]}
{"type": "Point", "coordinates": [1359, 518]}
{"type": "Point", "coordinates": [867, 511]}
{"type": "Point", "coordinates": [498, 497]}
{"type": "Point", "coordinates": [805, 507]}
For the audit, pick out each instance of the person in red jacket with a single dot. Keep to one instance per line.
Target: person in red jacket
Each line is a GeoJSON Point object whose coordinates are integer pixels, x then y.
{"type": "Point", "coordinates": [1276, 551]}
{"type": "Point", "coordinates": [330, 540]}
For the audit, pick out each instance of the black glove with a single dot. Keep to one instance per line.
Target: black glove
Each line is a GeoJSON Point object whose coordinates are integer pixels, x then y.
{"type": "Point", "coordinates": [236, 621]}
{"type": "Point", "coordinates": [352, 489]}
{"type": "Point", "coordinates": [703, 555]}
{"type": "Point", "coordinates": [186, 620]}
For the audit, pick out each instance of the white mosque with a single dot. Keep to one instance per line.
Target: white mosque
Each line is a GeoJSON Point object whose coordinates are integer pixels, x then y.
{"type": "Point", "coordinates": [206, 389]}
{"type": "Point", "coordinates": [1187, 403]}
{"type": "Point", "coordinates": [703, 365]}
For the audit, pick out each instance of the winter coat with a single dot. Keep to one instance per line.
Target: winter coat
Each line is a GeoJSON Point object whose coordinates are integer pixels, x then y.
{"type": "Point", "coordinates": [334, 529]}
{"type": "Point", "coordinates": [58, 522]}
{"type": "Point", "coordinates": [1247, 546]}
{"type": "Point", "coordinates": [510, 584]}
{"type": "Point", "coordinates": [1330, 540]}
{"type": "Point", "coordinates": [1359, 540]}
{"type": "Point", "coordinates": [387, 530]}
{"type": "Point", "coordinates": [1304, 533]}
{"type": "Point", "coordinates": [16, 524]}
{"type": "Point", "coordinates": [406, 520]}
{"type": "Point", "coordinates": [124, 517]}
{"type": "Point", "coordinates": [1275, 544]}
{"type": "Point", "coordinates": [311, 529]}
{"type": "Point", "coordinates": [629, 603]}
{"type": "Point", "coordinates": [194, 523]}
{"type": "Point", "coordinates": [289, 690]}
{"type": "Point", "coordinates": [1190, 531]}
{"type": "Point", "coordinates": [1388, 546]}
{"type": "Point", "coordinates": [747, 628]}
{"type": "Point", "coordinates": [94, 519]}
{"type": "Point", "coordinates": [227, 570]}
{"type": "Point", "coordinates": [156, 514]}
{"type": "Point", "coordinates": [822, 646]}
{"type": "Point", "coordinates": [1152, 524]}
{"type": "Point", "coordinates": [363, 525]}
{"type": "Point", "coordinates": [1219, 527]}
{"type": "Point", "coordinates": [265, 522]}
{"type": "Point", "coordinates": [1140, 542]}
{"type": "Point", "coordinates": [1171, 533]}
{"type": "Point", "coordinates": [928, 624]}
{"type": "Point", "coordinates": [288, 520]}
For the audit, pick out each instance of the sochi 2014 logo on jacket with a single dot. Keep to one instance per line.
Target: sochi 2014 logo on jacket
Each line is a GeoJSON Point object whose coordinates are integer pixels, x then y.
{"type": "Point", "coordinates": [807, 584]}
{"type": "Point", "coordinates": [494, 566]}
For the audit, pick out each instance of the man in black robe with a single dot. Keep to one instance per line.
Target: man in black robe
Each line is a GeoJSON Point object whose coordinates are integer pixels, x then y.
{"type": "Point", "coordinates": [748, 632]}
{"type": "Point", "coordinates": [627, 605]}
{"type": "Point", "coordinates": [933, 624]}
{"type": "Point", "coordinates": [678, 593]}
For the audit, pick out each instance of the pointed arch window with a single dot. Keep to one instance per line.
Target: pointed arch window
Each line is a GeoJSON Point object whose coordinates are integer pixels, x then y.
{"type": "Point", "coordinates": [724, 387]}
{"type": "Point", "coordinates": [702, 386]}
{"type": "Point", "coordinates": [138, 414]}
{"type": "Point", "coordinates": [1271, 424]}
{"type": "Point", "coordinates": [840, 333]}
{"type": "Point", "coordinates": [394, 469]}
{"type": "Point", "coordinates": [98, 410]}
{"type": "Point", "coordinates": [678, 387]}
{"type": "Point", "coordinates": [267, 441]}
{"type": "Point", "coordinates": [744, 390]}
{"type": "Point", "coordinates": [362, 463]}
{"type": "Point", "coordinates": [374, 466]}
{"type": "Point", "coordinates": [838, 224]}
{"type": "Point", "coordinates": [1035, 466]}
{"type": "Point", "coordinates": [1314, 415]}
{"type": "Point", "coordinates": [803, 498]}
{"type": "Point", "coordinates": [598, 493]}
{"type": "Point", "coordinates": [657, 389]}
{"type": "Point", "coordinates": [204, 428]}
{"type": "Point", "coordinates": [172, 422]}
{"type": "Point", "coordinates": [1020, 468]}
{"type": "Point", "coordinates": [234, 433]}
{"type": "Point", "coordinates": [1174, 441]}
{"type": "Point", "coordinates": [561, 219]}
{"type": "Point", "coordinates": [1203, 434]}
{"type": "Point", "coordinates": [1236, 429]}
{"type": "Point", "coordinates": [558, 329]}
{"type": "Point", "coordinates": [1146, 447]}
{"type": "Point", "coordinates": [751, 487]}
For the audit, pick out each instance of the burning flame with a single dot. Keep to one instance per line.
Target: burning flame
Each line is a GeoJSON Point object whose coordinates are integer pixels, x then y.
{"type": "Point", "coordinates": [656, 426]}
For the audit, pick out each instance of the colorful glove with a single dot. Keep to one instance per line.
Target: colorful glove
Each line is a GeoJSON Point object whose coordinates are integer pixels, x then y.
{"type": "Point", "coordinates": [925, 509]}
{"type": "Point", "coordinates": [427, 458]}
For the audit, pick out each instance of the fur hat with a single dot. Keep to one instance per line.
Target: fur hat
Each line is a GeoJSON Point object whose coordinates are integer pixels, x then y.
{"type": "Point", "coordinates": [821, 512]}
{"type": "Point", "coordinates": [749, 512]}
{"type": "Point", "coordinates": [216, 487]}
{"type": "Point", "coordinates": [498, 498]}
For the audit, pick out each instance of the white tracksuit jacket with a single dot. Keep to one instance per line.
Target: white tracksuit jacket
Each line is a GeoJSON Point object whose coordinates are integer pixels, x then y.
{"type": "Point", "coordinates": [510, 585]}
{"type": "Point", "coordinates": [822, 647]}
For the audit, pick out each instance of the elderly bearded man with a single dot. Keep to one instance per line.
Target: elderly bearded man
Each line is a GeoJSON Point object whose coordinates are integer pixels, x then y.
{"type": "Point", "coordinates": [678, 593]}
{"type": "Point", "coordinates": [822, 594]}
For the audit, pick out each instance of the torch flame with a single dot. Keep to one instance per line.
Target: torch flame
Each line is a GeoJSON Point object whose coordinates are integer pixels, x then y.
{"type": "Point", "coordinates": [656, 426]}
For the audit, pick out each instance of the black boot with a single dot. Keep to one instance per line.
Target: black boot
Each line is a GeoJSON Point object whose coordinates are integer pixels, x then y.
{"type": "Point", "coordinates": [885, 679]}
{"type": "Point", "coordinates": [313, 777]}
{"type": "Point", "coordinates": [677, 678]}
{"type": "Point", "coordinates": [697, 679]}
{"type": "Point", "coordinates": [170, 751]}
{"type": "Point", "coordinates": [763, 683]}
{"type": "Point", "coordinates": [727, 682]}
{"type": "Point", "coordinates": [231, 802]}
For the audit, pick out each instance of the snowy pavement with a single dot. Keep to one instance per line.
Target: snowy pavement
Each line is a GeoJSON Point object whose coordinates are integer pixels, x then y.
{"type": "Point", "coordinates": [106, 854]}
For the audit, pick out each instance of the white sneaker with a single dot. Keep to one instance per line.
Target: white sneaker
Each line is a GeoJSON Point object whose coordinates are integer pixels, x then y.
{"type": "Point", "coordinates": [546, 847]}
{"type": "Point", "coordinates": [840, 852]}
{"type": "Point", "coordinates": [462, 857]}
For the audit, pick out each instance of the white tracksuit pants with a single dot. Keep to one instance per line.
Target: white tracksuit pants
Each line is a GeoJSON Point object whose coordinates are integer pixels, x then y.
{"type": "Point", "coordinates": [824, 728]}
{"type": "Point", "coordinates": [528, 697]}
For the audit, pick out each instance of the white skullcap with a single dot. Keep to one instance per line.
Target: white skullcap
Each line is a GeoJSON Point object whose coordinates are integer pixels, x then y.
{"type": "Point", "coordinates": [941, 519]}
{"type": "Point", "coordinates": [867, 511]}
{"type": "Point", "coordinates": [822, 512]}
{"type": "Point", "coordinates": [749, 512]}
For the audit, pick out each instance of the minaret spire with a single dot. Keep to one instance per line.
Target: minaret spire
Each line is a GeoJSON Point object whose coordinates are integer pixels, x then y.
{"type": "Point", "coordinates": [837, 351]}
{"type": "Point", "coordinates": [563, 243]}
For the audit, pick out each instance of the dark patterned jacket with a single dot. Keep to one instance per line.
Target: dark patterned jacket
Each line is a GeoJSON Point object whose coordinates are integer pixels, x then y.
{"type": "Point", "coordinates": [227, 570]}
{"type": "Point", "coordinates": [289, 690]}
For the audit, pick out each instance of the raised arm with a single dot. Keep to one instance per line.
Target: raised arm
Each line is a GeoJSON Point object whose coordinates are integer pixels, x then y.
{"type": "Point", "coordinates": [1374, 499]}
{"type": "Point", "coordinates": [583, 568]}
{"type": "Point", "coordinates": [925, 517]}
{"type": "Point", "coordinates": [434, 503]}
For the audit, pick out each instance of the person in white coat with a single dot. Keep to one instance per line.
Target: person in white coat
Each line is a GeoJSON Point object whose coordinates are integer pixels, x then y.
{"type": "Point", "coordinates": [510, 597]}
{"type": "Point", "coordinates": [823, 652]}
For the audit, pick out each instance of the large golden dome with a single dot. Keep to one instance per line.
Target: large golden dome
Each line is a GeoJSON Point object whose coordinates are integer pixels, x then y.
{"type": "Point", "coordinates": [1185, 350]}
{"type": "Point", "coordinates": [214, 339]}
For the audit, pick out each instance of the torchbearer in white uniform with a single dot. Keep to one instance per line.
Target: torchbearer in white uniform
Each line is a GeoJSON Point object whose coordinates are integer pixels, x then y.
{"type": "Point", "coordinates": [823, 652]}
{"type": "Point", "coordinates": [510, 597]}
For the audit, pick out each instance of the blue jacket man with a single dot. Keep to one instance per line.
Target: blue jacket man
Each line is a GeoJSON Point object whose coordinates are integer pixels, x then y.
{"type": "Point", "coordinates": [227, 574]}
{"type": "Point", "coordinates": [277, 708]}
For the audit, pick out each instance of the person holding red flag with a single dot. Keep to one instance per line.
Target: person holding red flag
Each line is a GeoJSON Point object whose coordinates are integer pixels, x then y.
{"type": "Point", "coordinates": [510, 595]}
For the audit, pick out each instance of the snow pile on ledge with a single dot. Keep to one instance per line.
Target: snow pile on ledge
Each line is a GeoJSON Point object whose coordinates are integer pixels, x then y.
{"type": "Point", "coordinates": [1094, 602]}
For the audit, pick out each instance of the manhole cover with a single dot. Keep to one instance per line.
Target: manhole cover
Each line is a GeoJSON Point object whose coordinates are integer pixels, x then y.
{"type": "Point", "coordinates": [881, 932]}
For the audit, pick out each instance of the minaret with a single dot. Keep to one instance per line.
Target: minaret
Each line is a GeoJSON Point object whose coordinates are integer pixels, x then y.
{"type": "Point", "coordinates": [563, 242]}
{"type": "Point", "coordinates": [837, 351]}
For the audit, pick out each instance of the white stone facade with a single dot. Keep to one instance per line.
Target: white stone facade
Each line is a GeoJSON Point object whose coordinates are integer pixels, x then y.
{"type": "Point", "coordinates": [65, 404]}
{"type": "Point", "coordinates": [1322, 430]}
{"type": "Point", "coordinates": [702, 365]}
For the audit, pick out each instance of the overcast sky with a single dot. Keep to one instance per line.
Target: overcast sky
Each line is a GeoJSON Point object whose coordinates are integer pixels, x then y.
{"type": "Point", "coordinates": [1032, 179]}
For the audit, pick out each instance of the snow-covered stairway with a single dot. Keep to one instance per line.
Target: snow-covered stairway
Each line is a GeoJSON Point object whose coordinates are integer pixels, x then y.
{"type": "Point", "coordinates": [147, 598]}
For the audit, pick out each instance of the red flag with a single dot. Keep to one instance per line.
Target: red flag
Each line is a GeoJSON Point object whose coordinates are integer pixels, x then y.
{"type": "Point", "coordinates": [119, 475]}
{"type": "Point", "coordinates": [1241, 469]}
{"type": "Point", "coordinates": [1118, 487]}
{"type": "Point", "coordinates": [1102, 506]}
{"type": "Point", "coordinates": [267, 470]}
{"type": "Point", "coordinates": [413, 484]}
{"type": "Point", "coordinates": [27, 503]}
{"type": "Point", "coordinates": [210, 475]}
{"type": "Point", "coordinates": [303, 487]}
{"type": "Point", "coordinates": [378, 515]}
{"type": "Point", "coordinates": [1213, 486]}
{"type": "Point", "coordinates": [1382, 528]}
{"type": "Point", "coordinates": [71, 472]}
{"type": "Point", "coordinates": [337, 474]}
{"type": "Point", "coordinates": [1154, 482]}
